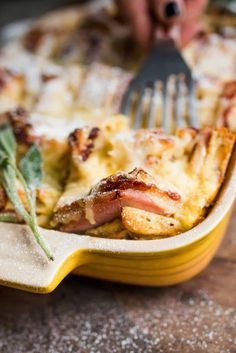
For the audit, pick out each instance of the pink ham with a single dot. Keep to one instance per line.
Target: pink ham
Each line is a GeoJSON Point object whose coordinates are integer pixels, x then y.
{"type": "Point", "coordinates": [107, 198]}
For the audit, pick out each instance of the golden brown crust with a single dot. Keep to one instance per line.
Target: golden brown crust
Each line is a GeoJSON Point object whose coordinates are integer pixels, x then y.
{"type": "Point", "coordinates": [229, 90]}
{"type": "Point", "coordinates": [5, 76]}
{"type": "Point", "coordinates": [21, 126]}
{"type": "Point", "coordinates": [81, 142]}
{"type": "Point", "coordinates": [3, 198]}
{"type": "Point", "coordinates": [33, 39]}
{"type": "Point", "coordinates": [137, 179]}
{"type": "Point", "coordinates": [226, 106]}
{"type": "Point", "coordinates": [12, 85]}
{"type": "Point", "coordinates": [220, 148]}
{"type": "Point", "coordinates": [112, 230]}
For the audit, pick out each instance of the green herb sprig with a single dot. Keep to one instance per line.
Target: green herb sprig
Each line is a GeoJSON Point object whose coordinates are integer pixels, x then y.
{"type": "Point", "coordinates": [29, 175]}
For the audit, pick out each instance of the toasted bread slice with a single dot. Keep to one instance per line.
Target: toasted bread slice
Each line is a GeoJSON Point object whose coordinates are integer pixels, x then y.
{"type": "Point", "coordinates": [149, 225]}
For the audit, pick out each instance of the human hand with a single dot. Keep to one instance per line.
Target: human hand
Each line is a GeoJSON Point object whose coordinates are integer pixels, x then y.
{"type": "Point", "coordinates": [155, 19]}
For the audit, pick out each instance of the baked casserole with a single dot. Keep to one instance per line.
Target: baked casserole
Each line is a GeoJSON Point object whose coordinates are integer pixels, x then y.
{"type": "Point", "coordinates": [61, 86]}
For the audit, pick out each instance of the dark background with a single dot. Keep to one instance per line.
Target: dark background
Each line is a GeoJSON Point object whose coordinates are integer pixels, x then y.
{"type": "Point", "coordinates": [13, 10]}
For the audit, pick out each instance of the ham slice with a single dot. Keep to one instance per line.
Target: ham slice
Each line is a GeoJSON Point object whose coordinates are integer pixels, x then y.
{"type": "Point", "coordinates": [106, 200]}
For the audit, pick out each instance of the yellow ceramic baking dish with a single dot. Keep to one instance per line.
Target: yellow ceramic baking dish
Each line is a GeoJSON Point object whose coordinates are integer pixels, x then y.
{"type": "Point", "coordinates": [159, 262]}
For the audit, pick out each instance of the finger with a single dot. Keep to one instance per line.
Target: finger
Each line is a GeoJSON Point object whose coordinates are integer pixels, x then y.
{"type": "Point", "coordinates": [194, 9]}
{"type": "Point", "coordinates": [137, 14]}
{"type": "Point", "coordinates": [182, 34]}
{"type": "Point", "coordinates": [169, 12]}
{"type": "Point", "coordinates": [185, 22]}
{"type": "Point", "coordinates": [188, 31]}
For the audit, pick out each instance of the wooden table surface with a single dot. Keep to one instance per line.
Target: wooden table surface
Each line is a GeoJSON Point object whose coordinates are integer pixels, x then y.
{"type": "Point", "coordinates": [90, 316]}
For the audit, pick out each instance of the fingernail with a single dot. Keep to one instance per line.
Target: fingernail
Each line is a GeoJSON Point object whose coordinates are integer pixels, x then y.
{"type": "Point", "coordinates": [172, 9]}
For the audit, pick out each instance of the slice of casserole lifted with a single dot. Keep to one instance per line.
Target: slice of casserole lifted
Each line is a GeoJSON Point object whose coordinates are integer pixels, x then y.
{"type": "Point", "coordinates": [141, 184]}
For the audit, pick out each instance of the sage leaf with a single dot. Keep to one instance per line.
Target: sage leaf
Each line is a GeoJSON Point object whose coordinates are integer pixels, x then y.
{"type": "Point", "coordinates": [8, 180]}
{"type": "Point", "coordinates": [29, 175]}
{"type": "Point", "coordinates": [3, 158]}
{"type": "Point", "coordinates": [7, 141]}
{"type": "Point", "coordinates": [31, 167]}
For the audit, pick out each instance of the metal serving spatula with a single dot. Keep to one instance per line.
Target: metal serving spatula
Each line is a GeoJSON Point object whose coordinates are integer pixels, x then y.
{"type": "Point", "coordinates": [163, 62]}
